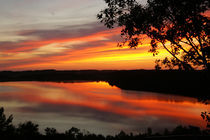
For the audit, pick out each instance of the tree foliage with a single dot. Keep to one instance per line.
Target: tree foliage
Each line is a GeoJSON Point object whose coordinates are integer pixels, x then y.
{"type": "Point", "coordinates": [28, 129]}
{"type": "Point", "coordinates": [6, 126]}
{"type": "Point", "coordinates": [50, 131]}
{"type": "Point", "coordinates": [206, 117]}
{"type": "Point", "coordinates": [179, 26]}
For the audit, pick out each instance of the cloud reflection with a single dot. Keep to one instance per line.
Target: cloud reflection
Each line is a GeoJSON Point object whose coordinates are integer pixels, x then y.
{"type": "Point", "coordinates": [101, 103]}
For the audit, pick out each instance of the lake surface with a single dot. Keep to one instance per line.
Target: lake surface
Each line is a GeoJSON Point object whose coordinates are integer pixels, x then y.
{"type": "Point", "coordinates": [97, 107]}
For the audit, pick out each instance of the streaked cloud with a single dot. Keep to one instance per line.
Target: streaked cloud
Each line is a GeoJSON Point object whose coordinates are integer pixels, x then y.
{"type": "Point", "coordinates": [63, 34]}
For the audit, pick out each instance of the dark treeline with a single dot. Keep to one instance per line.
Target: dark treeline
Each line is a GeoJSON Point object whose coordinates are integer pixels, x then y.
{"type": "Point", "coordinates": [30, 131]}
{"type": "Point", "coordinates": [188, 83]}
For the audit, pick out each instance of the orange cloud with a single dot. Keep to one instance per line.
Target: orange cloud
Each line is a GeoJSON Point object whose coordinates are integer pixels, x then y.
{"type": "Point", "coordinates": [95, 51]}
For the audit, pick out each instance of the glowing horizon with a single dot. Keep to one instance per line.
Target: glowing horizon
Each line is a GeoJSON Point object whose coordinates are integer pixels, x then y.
{"type": "Point", "coordinates": [48, 35]}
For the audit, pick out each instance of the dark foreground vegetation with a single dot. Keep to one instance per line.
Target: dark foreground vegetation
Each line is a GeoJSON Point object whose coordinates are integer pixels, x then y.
{"type": "Point", "coordinates": [30, 131]}
{"type": "Point", "coordinates": [187, 83]}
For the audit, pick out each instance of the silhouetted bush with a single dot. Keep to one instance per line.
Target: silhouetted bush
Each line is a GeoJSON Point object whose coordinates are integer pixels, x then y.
{"type": "Point", "coordinates": [6, 127]}
{"type": "Point", "coordinates": [30, 131]}
{"type": "Point", "coordinates": [50, 131]}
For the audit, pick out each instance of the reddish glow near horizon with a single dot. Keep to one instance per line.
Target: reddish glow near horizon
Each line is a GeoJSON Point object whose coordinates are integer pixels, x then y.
{"type": "Point", "coordinates": [60, 34]}
{"type": "Point", "coordinates": [94, 51]}
{"type": "Point", "coordinates": [46, 38]}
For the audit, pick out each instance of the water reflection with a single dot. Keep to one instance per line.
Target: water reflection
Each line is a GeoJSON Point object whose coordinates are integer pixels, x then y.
{"type": "Point", "coordinates": [97, 107]}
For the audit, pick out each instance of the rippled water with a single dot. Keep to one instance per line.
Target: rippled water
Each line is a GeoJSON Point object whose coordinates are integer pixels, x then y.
{"type": "Point", "coordinates": [97, 107]}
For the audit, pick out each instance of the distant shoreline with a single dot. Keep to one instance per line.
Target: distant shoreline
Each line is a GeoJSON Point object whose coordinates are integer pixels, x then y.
{"type": "Point", "coordinates": [187, 83]}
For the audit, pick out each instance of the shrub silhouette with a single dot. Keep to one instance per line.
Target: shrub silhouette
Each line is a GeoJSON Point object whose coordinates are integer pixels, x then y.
{"type": "Point", "coordinates": [30, 131]}
{"type": "Point", "coordinates": [73, 133]}
{"type": "Point", "coordinates": [50, 131]}
{"type": "Point", "coordinates": [6, 126]}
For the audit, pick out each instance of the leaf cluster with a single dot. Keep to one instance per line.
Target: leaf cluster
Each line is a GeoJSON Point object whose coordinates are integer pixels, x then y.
{"type": "Point", "coordinates": [179, 26]}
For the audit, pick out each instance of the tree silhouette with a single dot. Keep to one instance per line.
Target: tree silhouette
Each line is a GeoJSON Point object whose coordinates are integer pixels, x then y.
{"type": "Point", "coordinates": [178, 26]}
{"type": "Point", "coordinates": [149, 131]}
{"type": "Point", "coordinates": [28, 130]}
{"type": "Point", "coordinates": [206, 117]}
{"type": "Point", "coordinates": [122, 136]}
{"type": "Point", "coordinates": [73, 133]}
{"type": "Point", "coordinates": [6, 126]}
{"type": "Point", "coordinates": [50, 131]}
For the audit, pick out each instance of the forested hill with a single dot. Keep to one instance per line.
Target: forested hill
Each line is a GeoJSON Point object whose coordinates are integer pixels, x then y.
{"type": "Point", "coordinates": [189, 83]}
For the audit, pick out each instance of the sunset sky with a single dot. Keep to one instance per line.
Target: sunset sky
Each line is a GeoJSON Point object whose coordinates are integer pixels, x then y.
{"type": "Point", "coordinates": [62, 35]}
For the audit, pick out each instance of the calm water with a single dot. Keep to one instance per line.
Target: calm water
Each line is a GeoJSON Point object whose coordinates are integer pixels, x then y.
{"type": "Point", "coordinates": [97, 107]}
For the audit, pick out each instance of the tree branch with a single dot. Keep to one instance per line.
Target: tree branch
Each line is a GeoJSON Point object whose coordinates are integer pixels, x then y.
{"type": "Point", "coordinates": [201, 45]}
{"type": "Point", "coordinates": [171, 52]}
{"type": "Point", "coordinates": [193, 46]}
{"type": "Point", "coordinates": [187, 52]}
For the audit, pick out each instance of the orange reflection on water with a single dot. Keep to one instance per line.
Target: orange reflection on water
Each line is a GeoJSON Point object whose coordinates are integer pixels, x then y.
{"type": "Point", "coordinates": [101, 98]}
